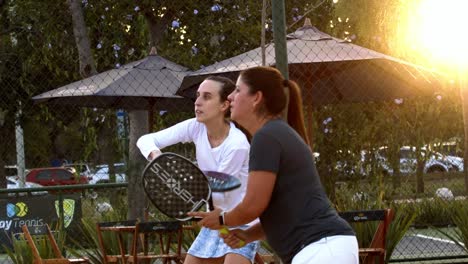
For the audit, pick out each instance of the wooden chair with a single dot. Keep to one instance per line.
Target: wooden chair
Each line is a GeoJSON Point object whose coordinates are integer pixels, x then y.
{"type": "Point", "coordinates": [148, 235]}
{"type": "Point", "coordinates": [376, 249]}
{"type": "Point", "coordinates": [119, 229]}
{"type": "Point", "coordinates": [40, 233]}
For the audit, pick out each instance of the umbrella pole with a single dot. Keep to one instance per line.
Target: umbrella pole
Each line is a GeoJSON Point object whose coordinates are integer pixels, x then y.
{"type": "Point", "coordinates": [150, 114]}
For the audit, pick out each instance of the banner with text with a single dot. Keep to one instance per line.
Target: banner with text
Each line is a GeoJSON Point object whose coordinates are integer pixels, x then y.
{"type": "Point", "coordinates": [36, 211]}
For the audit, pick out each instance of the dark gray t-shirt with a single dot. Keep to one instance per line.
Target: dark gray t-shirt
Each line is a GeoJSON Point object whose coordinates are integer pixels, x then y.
{"type": "Point", "coordinates": [299, 211]}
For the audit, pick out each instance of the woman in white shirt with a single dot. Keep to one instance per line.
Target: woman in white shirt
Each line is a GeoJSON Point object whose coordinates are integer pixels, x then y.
{"type": "Point", "coordinates": [220, 146]}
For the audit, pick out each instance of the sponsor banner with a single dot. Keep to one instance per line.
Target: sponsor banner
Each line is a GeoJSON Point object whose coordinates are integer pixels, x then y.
{"type": "Point", "coordinates": [36, 211]}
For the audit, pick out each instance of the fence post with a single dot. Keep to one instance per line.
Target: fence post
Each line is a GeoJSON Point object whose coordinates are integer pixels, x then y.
{"type": "Point", "coordinates": [279, 35]}
{"type": "Point", "coordinates": [61, 212]}
{"type": "Point", "coordinates": [281, 50]}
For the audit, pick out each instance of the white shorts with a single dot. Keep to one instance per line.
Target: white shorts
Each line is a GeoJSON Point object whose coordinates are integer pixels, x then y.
{"type": "Point", "coordinates": [333, 249]}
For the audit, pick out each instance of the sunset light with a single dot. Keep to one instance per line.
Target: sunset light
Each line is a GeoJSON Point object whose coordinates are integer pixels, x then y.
{"type": "Point", "coordinates": [437, 29]}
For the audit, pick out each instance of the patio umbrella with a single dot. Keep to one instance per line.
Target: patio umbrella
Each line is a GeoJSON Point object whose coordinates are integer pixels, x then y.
{"type": "Point", "coordinates": [147, 84]}
{"type": "Point", "coordinates": [330, 70]}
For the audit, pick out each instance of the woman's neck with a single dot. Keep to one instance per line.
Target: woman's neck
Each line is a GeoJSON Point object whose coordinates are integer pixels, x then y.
{"type": "Point", "coordinates": [217, 132]}
{"type": "Point", "coordinates": [258, 122]}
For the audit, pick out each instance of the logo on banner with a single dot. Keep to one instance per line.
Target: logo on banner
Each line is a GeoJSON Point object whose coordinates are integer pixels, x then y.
{"type": "Point", "coordinates": [68, 210]}
{"type": "Point", "coordinates": [19, 209]}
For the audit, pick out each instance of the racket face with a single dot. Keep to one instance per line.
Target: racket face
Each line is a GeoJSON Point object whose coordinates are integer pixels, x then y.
{"type": "Point", "coordinates": [175, 185]}
{"type": "Point", "coordinates": [221, 182]}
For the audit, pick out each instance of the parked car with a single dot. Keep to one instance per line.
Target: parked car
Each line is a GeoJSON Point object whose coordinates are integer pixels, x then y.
{"type": "Point", "coordinates": [13, 183]}
{"type": "Point", "coordinates": [12, 170]}
{"type": "Point", "coordinates": [81, 168]}
{"type": "Point", "coordinates": [102, 174]}
{"type": "Point", "coordinates": [55, 176]}
{"type": "Point", "coordinates": [435, 161]}
{"type": "Point", "coordinates": [363, 164]}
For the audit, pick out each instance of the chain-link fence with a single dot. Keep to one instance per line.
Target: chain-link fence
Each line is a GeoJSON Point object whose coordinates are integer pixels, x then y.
{"type": "Point", "coordinates": [81, 81]}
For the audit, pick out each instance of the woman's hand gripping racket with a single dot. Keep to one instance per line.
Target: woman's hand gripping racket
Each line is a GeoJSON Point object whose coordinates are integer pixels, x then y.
{"type": "Point", "coordinates": [176, 186]}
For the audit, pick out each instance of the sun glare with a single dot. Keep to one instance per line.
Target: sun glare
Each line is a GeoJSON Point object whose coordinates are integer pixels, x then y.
{"type": "Point", "coordinates": [439, 29]}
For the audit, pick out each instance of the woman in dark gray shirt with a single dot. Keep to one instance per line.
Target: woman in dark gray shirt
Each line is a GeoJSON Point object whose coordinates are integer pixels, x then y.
{"type": "Point", "coordinates": [284, 188]}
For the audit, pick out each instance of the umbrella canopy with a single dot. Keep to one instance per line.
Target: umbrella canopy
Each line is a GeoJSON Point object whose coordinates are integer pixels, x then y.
{"type": "Point", "coordinates": [147, 84]}
{"type": "Point", "coordinates": [330, 70]}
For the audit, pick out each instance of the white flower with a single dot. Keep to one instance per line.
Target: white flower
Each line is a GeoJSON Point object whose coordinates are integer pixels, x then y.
{"type": "Point", "coordinates": [103, 207]}
{"type": "Point", "coordinates": [439, 97]}
{"type": "Point", "coordinates": [99, 45]}
{"type": "Point", "coordinates": [328, 120]}
{"type": "Point", "coordinates": [107, 8]}
{"type": "Point", "coordinates": [137, 8]}
{"type": "Point", "coordinates": [360, 196]}
{"type": "Point", "coordinates": [444, 193]}
{"type": "Point", "coordinates": [216, 8]}
{"type": "Point", "coordinates": [195, 11]}
{"type": "Point", "coordinates": [116, 47]}
{"type": "Point", "coordinates": [399, 101]}
{"type": "Point", "coordinates": [117, 65]}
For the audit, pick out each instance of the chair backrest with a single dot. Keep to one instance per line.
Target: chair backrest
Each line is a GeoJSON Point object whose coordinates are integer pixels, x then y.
{"type": "Point", "coordinates": [117, 223]}
{"type": "Point", "coordinates": [158, 226]}
{"type": "Point", "coordinates": [112, 226]}
{"type": "Point", "coordinates": [157, 230]}
{"type": "Point", "coordinates": [33, 233]}
{"type": "Point", "coordinates": [378, 243]}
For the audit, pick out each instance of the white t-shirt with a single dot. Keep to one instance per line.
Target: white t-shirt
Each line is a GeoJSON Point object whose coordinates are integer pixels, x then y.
{"type": "Point", "coordinates": [231, 157]}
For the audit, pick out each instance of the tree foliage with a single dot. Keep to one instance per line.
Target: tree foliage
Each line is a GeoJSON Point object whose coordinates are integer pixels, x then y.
{"type": "Point", "coordinates": [38, 54]}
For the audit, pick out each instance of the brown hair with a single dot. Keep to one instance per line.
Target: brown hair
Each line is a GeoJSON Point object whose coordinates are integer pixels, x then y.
{"type": "Point", "coordinates": [227, 87]}
{"type": "Point", "coordinates": [271, 83]}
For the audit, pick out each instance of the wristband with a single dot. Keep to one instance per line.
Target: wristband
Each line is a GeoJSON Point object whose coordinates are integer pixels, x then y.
{"type": "Point", "coordinates": [221, 218]}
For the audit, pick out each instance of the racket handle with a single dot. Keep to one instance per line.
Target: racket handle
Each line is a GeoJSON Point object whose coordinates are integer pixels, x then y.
{"type": "Point", "coordinates": [210, 204]}
{"type": "Point", "coordinates": [225, 231]}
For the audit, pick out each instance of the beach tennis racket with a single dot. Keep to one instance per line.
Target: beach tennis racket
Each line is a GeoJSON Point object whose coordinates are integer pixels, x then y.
{"type": "Point", "coordinates": [176, 186]}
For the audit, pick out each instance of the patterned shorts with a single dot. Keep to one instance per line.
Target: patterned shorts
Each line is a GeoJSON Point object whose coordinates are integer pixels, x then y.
{"type": "Point", "coordinates": [208, 244]}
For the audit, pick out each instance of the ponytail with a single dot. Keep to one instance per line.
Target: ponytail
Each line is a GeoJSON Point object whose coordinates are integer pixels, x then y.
{"type": "Point", "coordinates": [271, 83]}
{"type": "Point", "coordinates": [295, 112]}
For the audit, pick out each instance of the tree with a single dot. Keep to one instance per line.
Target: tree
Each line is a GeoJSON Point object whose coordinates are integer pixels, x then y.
{"type": "Point", "coordinates": [38, 54]}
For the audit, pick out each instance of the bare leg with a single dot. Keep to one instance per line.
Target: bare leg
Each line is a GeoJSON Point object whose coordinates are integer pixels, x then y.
{"type": "Point", "coordinates": [189, 259]}
{"type": "Point", "coordinates": [236, 259]}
